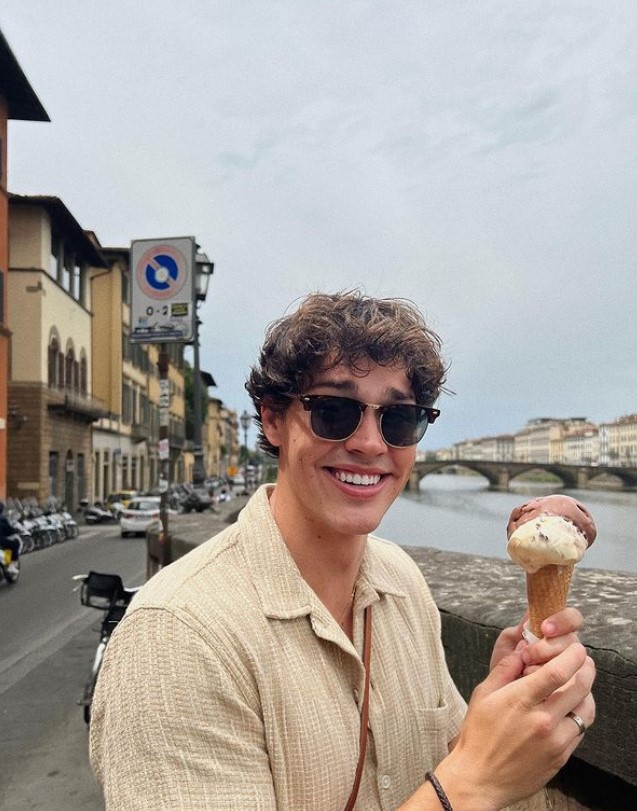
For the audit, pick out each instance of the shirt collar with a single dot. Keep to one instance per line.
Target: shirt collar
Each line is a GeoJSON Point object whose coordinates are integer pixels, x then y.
{"type": "Point", "coordinates": [284, 594]}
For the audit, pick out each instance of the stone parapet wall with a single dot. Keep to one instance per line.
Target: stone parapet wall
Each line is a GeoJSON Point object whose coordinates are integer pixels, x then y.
{"type": "Point", "coordinates": [478, 596]}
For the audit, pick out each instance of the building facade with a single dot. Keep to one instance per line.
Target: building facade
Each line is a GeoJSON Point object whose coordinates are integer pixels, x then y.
{"type": "Point", "coordinates": [573, 441]}
{"type": "Point", "coordinates": [618, 442]}
{"type": "Point", "coordinates": [18, 101]}
{"type": "Point", "coordinates": [126, 440]}
{"type": "Point", "coordinates": [50, 384]}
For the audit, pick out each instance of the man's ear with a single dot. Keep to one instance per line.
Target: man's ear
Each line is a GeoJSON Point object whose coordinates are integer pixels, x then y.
{"type": "Point", "coordinates": [271, 422]}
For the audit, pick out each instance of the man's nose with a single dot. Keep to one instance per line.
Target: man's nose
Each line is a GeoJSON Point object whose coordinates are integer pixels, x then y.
{"type": "Point", "coordinates": [367, 438]}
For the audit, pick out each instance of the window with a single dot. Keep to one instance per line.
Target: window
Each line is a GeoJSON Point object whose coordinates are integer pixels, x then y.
{"type": "Point", "coordinates": [56, 253]}
{"type": "Point", "coordinates": [83, 375]}
{"type": "Point", "coordinates": [125, 286]}
{"type": "Point", "coordinates": [127, 404]}
{"type": "Point", "coordinates": [55, 362]}
{"type": "Point", "coordinates": [69, 369]}
{"type": "Point", "coordinates": [106, 472]}
{"type": "Point", "coordinates": [54, 464]}
{"type": "Point", "coordinates": [54, 349]}
{"type": "Point", "coordinates": [76, 275]}
{"type": "Point", "coordinates": [67, 274]}
{"type": "Point", "coordinates": [81, 478]}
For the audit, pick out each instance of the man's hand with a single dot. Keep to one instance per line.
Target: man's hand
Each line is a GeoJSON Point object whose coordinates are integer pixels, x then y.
{"type": "Point", "coordinates": [560, 631]}
{"type": "Point", "coordinates": [517, 734]}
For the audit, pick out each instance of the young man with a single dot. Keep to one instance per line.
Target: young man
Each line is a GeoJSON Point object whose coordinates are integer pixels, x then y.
{"type": "Point", "coordinates": [238, 678]}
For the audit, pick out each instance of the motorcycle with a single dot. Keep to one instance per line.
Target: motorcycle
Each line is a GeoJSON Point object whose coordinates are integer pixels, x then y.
{"type": "Point", "coordinates": [5, 559]}
{"type": "Point", "coordinates": [107, 593]}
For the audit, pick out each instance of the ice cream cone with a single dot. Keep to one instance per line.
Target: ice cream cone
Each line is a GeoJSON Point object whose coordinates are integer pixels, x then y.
{"type": "Point", "coordinates": [547, 592]}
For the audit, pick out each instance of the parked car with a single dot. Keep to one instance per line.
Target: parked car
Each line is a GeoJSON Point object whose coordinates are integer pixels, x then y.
{"type": "Point", "coordinates": [141, 512]}
{"type": "Point", "coordinates": [116, 502]}
{"type": "Point", "coordinates": [238, 483]}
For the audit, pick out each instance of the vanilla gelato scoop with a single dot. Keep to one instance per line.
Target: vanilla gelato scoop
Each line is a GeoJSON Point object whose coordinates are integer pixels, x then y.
{"type": "Point", "coordinates": [546, 540]}
{"type": "Point", "coordinates": [553, 530]}
{"type": "Point", "coordinates": [547, 537]}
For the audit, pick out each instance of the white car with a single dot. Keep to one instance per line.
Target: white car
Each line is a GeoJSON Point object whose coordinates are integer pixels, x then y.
{"type": "Point", "coordinates": [238, 482]}
{"type": "Point", "coordinates": [141, 512]}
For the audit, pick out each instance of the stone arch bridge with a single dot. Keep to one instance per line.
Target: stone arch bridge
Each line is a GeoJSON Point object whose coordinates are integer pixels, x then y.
{"type": "Point", "coordinates": [499, 474]}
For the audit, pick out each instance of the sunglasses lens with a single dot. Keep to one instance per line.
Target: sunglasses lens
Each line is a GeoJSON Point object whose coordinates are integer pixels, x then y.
{"type": "Point", "coordinates": [334, 417]}
{"type": "Point", "coordinates": [403, 425]}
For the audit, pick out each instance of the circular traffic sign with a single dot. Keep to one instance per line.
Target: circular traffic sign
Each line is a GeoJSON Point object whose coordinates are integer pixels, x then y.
{"type": "Point", "coordinates": [161, 272]}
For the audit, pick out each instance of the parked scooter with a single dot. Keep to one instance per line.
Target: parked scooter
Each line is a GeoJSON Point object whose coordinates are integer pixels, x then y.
{"type": "Point", "coordinates": [107, 593]}
{"type": "Point", "coordinates": [97, 514]}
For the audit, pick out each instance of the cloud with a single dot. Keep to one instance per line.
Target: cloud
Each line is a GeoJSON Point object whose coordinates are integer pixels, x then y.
{"type": "Point", "coordinates": [476, 158]}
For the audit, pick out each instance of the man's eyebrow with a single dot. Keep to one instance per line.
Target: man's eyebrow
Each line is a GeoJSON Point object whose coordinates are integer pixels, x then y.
{"type": "Point", "coordinates": [349, 387]}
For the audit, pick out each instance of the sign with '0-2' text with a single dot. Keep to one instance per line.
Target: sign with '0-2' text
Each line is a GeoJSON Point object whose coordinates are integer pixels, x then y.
{"type": "Point", "coordinates": [162, 290]}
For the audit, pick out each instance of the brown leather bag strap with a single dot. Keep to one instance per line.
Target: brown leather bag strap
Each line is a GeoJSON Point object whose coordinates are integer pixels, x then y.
{"type": "Point", "coordinates": [367, 656]}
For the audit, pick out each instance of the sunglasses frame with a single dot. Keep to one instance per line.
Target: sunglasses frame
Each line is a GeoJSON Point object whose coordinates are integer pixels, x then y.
{"type": "Point", "coordinates": [306, 401]}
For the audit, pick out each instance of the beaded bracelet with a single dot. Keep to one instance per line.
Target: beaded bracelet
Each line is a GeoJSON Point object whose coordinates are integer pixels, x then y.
{"type": "Point", "coordinates": [440, 792]}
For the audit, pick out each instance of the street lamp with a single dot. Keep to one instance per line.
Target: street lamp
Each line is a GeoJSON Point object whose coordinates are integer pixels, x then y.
{"type": "Point", "coordinates": [203, 272]}
{"type": "Point", "coordinates": [246, 419]}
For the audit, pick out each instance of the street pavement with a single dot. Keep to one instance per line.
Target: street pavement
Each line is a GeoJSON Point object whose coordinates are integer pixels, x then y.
{"type": "Point", "coordinates": [44, 758]}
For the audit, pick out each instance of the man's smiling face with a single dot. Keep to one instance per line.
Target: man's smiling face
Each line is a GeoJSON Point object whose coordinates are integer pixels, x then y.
{"type": "Point", "coordinates": [340, 489]}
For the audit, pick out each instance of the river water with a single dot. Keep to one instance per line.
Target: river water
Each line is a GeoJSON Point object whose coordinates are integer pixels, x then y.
{"type": "Point", "coordinates": [461, 514]}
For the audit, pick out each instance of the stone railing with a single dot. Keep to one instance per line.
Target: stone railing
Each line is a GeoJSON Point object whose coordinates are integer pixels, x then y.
{"type": "Point", "coordinates": [478, 596]}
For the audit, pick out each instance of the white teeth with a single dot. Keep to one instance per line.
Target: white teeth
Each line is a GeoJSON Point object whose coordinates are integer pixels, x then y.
{"type": "Point", "coordinates": [356, 478]}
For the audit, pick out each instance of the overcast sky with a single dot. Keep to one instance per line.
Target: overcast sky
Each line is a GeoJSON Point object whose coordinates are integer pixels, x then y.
{"type": "Point", "coordinates": [478, 158]}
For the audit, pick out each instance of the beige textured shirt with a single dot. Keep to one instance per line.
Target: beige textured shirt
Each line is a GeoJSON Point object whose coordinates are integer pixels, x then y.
{"type": "Point", "coordinates": [230, 686]}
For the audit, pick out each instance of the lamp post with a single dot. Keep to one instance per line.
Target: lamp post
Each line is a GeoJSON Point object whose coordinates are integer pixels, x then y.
{"type": "Point", "coordinates": [246, 419]}
{"type": "Point", "coordinates": [203, 272]}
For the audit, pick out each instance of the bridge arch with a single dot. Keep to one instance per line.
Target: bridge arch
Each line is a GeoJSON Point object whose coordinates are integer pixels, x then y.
{"type": "Point", "coordinates": [498, 474]}
{"type": "Point", "coordinates": [421, 470]}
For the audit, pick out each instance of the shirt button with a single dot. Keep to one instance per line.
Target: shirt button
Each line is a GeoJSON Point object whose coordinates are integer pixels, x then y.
{"type": "Point", "coordinates": [385, 781]}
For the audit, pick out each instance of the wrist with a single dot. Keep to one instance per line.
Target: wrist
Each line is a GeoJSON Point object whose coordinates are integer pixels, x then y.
{"type": "Point", "coordinates": [430, 777]}
{"type": "Point", "coordinates": [463, 791]}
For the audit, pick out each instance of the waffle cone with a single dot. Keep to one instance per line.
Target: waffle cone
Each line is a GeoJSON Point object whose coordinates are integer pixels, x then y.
{"type": "Point", "coordinates": [547, 591]}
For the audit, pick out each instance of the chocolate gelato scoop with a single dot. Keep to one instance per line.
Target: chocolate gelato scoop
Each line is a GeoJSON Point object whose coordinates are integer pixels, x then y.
{"type": "Point", "coordinates": [558, 504]}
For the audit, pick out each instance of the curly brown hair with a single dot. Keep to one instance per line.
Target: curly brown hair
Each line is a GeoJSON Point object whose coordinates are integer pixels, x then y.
{"type": "Point", "coordinates": [344, 327]}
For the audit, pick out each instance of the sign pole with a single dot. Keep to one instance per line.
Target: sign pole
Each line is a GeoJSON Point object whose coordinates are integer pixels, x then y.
{"type": "Point", "coordinates": [163, 309]}
{"type": "Point", "coordinates": [164, 455]}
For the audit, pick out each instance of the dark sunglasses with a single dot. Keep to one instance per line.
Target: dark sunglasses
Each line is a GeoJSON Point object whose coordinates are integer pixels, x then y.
{"type": "Point", "coordinates": [337, 418]}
